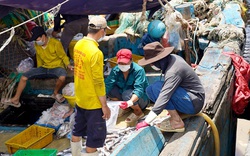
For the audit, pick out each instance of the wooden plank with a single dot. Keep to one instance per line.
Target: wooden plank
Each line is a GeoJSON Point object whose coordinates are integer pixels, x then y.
{"type": "Point", "coordinates": [145, 142]}
{"type": "Point", "coordinates": [224, 121]}
{"type": "Point", "coordinates": [213, 70]}
{"type": "Point", "coordinates": [184, 143]}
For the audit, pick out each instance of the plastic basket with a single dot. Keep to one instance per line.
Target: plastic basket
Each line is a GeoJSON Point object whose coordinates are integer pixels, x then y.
{"type": "Point", "coordinates": [36, 152]}
{"type": "Point", "coordinates": [113, 60]}
{"type": "Point", "coordinates": [34, 137]}
{"type": "Point", "coordinates": [71, 100]}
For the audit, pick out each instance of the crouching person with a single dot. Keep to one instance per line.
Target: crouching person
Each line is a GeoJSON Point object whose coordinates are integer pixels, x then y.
{"type": "Point", "coordinates": [127, 82]}
{"type": "Point", "coordinates": [181, 92]}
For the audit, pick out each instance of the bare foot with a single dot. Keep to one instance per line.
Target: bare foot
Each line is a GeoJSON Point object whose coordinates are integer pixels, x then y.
{"type": "Point", "coordinates": [14, 101]}
{"type": "Point", "coordinates": [176, 123]}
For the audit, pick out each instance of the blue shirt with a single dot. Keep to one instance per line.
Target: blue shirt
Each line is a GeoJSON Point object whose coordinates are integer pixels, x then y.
{"type": "Point", "coordinates": [136, 80]}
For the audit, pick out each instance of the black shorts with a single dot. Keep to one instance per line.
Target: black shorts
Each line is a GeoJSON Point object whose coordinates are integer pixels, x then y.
{"type": "Point", "coordinates": [91, 124]}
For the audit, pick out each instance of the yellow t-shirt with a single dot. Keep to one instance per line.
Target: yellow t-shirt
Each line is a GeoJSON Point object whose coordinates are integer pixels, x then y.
{"type": "Point", "coordinates": [51, 56]}
{"type": "Point", "coordinates": [88, 74]}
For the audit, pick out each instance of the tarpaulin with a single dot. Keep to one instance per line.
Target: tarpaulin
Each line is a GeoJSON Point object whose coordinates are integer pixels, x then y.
{"type": "Point", "coordinates": [242, 91]}
{"type": "Point", "coordinates": [83, 7]}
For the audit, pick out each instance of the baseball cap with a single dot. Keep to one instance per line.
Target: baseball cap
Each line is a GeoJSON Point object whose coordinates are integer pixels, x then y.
{"type": "Point", "coordinates": [37, 32]}
{"type": "Point", "coordinates": [124, 56]}
{"type": "Point", "coordinates": [98, 22]}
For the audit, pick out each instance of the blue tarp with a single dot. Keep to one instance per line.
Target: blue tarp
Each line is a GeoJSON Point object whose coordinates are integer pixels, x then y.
{"type": "Point", "coordinates": [81, 7]}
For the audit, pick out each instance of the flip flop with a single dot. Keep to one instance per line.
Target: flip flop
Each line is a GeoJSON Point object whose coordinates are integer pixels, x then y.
{"type": "Point", "coordinates": [133, 118]}
{"type": "Point", "coordinates": [8, 102]}
{"type": "Point", "coordinates": [165, 126]}
{"type": "Point", "coordinates": [123, 112]}
{"type": "Point", "coordinates": [58, 97]}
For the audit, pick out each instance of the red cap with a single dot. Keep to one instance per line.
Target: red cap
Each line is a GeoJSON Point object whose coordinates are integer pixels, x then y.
{"type": "Point", "coordinates": [124, 56]}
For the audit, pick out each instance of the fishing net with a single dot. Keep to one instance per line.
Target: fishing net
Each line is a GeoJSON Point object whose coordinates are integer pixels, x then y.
{"type": "Point", "coordinates": [19, 48]}
{"type": "Point", "coordinates": [132, 21]}
{"type": "Point", "coordinates": [11, 55]}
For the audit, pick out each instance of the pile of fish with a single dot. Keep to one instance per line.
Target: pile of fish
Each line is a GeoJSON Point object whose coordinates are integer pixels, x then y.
{"type": "Point", "coordinates": [112, 141]}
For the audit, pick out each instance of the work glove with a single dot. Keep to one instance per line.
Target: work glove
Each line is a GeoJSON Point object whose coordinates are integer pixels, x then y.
{"type": "Point", "coordinates": [141, 125]}
{"type": "Point", "coordinates": [126, 104]}
{"type": "Point", "coordinates": [150, 117]}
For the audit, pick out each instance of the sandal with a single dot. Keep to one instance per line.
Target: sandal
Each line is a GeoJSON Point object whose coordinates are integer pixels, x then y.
{"type": "Point", "coordinates": [123, 112]}
{"type": "Point", "coordinates": [133, 118]}
{"type": "Point", "coordinates": [165, 126]}
{"type": "Point", "coordinates": [58, 97]}
{"type": "Point", "coordinates": [9, 103]}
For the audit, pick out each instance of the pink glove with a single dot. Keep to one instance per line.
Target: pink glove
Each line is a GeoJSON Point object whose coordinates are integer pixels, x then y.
{"type": "Point", "coordinates": [126, 104]}
{"type": "Point", "coordinates": [141, 125]}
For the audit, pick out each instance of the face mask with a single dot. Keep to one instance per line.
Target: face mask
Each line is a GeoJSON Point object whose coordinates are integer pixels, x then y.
{"type": "Point", "coordinates": [40, 42]}
{"type": "Point", "coordinates": [124, 68]}
{"type": "Point", "coordinates": [155, 68]}
{"type": "Point", "coordinates": [100, 39]}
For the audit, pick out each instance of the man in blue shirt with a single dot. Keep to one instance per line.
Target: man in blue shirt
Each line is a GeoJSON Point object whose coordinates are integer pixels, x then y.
{"type": "Point", "coordinates": [127, 82]}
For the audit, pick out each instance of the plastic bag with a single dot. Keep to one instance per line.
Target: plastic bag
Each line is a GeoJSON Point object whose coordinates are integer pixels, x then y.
{"type": "Point", "coordinates": [241, 96]}
{"type": "Point", "coordinates": [54, 116]}
{"type": "Point", "coordinates": [69, 89]}
{"type": "Point", "coordinates": [25, 65]}
{"type": "Point", "coordinates": [174, 29]}
{"type": "Point", "coordinates": [114, 109]}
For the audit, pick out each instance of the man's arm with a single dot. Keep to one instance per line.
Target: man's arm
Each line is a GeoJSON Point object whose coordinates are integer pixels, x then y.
{"type": "Point", "coordinates": [57, 26]}
{"type": "Point", "coordinates": [105, 108]}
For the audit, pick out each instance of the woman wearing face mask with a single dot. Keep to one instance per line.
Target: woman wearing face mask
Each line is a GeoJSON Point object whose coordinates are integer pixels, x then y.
{"type": "Point", "coordinates": [127, 82]}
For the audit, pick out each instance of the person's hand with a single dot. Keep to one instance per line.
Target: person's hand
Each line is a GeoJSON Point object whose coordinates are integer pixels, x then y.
{"type": "Point", "coordinates": [56, 34]}
{"type": "Point", "coordinates": [141, 125]}
{"type": "Point", "coordinates": [70, 67]}
{"type": "Point", "coordinates": [106, 112]}
{"type": "Point", "coordinates": [126, 104]}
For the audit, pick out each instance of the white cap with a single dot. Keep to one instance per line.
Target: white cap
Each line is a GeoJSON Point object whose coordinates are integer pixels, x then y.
{"type": "Point", "coordinates": [98, 22]}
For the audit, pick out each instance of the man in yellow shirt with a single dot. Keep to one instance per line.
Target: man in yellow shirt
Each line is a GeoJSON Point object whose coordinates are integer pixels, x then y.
{"type": "Point", "coordinates": [91, 106]}
{"type": "Point", "coordinates": [52, 61]}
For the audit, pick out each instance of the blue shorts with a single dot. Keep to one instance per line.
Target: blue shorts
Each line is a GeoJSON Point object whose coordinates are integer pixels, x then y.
{"type": "Point", "coordinates": [91, 124]}
{"type": "Point", "coordinates": [179, 101]}
{"type": "Point", "coordinates": [45, 73]}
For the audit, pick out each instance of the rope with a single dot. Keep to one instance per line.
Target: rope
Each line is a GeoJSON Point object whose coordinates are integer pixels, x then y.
{"type": "Point", "coordinates": [53, 11]}
{"type": "Point", "coordinates": [12, 33]}
{"type": "Point", "coordinates": [196, 54]}
{"type": "Point", "coordinates": [143, 16]}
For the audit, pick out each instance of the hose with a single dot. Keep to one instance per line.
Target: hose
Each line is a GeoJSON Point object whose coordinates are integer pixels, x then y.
{"type": "Point", "coordinates": [214, 129]}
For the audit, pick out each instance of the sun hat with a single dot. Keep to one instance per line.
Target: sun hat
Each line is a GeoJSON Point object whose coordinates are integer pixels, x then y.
{"type": "Point", "coordinates": [124, 56]}
{"type": "Point", "coordinates": [37, 32]}
{"type": "Point", "coordinates": [153, 52]}
{"type": "Point", "coordinates": [98, 22]}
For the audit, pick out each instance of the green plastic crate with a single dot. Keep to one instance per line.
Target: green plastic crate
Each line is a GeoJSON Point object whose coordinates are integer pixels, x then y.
{"type": "Point", "coordinates": [36, 152]}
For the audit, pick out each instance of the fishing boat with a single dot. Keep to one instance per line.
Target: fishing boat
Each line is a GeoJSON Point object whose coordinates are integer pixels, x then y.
{"type": "Point", "coordinates": [211, 132]}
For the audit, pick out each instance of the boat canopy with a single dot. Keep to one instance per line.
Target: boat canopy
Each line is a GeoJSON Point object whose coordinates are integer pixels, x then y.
{"type": "Point", "coordinates": [81, 7]}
